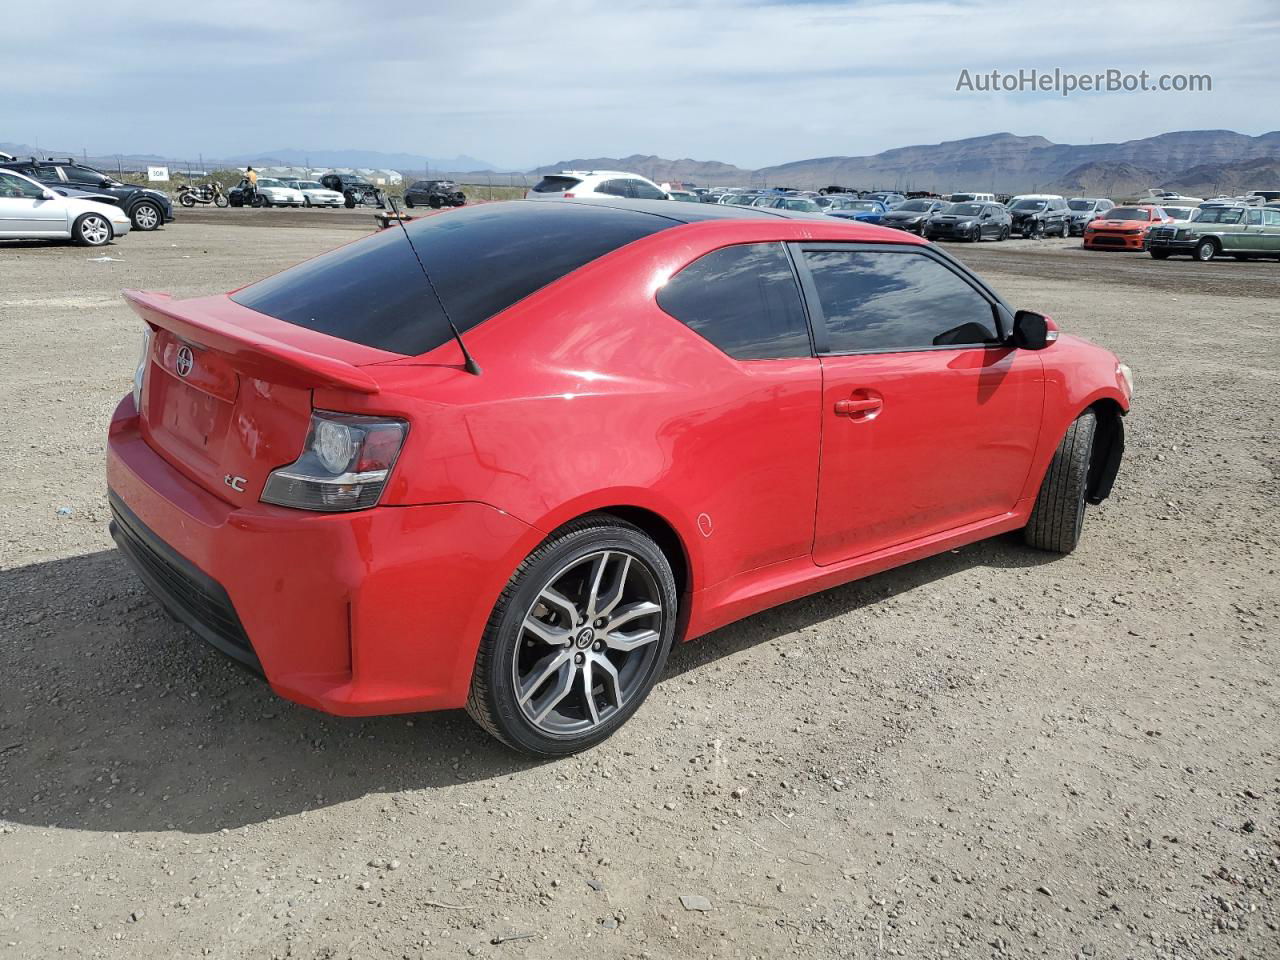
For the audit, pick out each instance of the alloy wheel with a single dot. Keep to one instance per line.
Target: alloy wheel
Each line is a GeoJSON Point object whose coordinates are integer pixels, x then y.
{"type": "Point", "coordinates": [146, 217]}
{"type": "Point", "coordinates": [94, 230]}
{"type": "Point", "coordinates": [587, 643]}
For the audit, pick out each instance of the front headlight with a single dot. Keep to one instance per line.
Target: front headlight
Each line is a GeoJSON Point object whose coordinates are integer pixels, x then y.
{"type": "Point", "coordinates": [140, 371]}
{"type": "Point", "coordinates": [1124, 376]}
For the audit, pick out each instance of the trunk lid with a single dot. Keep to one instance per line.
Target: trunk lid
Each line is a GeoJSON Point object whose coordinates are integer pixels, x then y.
{"type": "Point", "coordinates": [227, 396]}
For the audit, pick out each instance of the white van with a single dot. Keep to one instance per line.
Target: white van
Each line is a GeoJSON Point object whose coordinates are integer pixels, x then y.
{"type": "Point", "coordinates": [972, 198]}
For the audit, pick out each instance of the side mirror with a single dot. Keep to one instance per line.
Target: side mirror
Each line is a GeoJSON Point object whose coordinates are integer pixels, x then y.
{"type": "Point", "coordinates": [48, 195]}
{"type": "Point", "coordinates": [1033, 331]}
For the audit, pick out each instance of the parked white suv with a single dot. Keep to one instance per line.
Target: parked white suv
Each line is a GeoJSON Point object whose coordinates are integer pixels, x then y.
{"type": "Point", "coordinates": [31, 211]}
{"type": "Point", "coordinates": [577, 184]}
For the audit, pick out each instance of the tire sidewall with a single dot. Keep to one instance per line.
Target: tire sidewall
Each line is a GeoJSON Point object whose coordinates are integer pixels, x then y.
{"type": "Point", "coordinates": [1208, 246]}
{"type": "Point", "coordinates": [504, 633]}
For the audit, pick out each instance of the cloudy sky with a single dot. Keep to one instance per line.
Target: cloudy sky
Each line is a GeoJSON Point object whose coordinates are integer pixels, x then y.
{"type": "Point", "coordinates": [526, 82]}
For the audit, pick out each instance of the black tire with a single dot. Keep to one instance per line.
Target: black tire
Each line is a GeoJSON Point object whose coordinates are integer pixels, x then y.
{"type": "Point", "coordinates": [1031, 230]}
{"type": "Point", "coordinates": [146, 216]}
{"type": "Point", "coordinates": [1004, 233]}
{"type": "Point", "coordinates": [349, 201]}
{"type": "Point", "coordinates": [306, 201]}
{"type": "Point", "coordinates": [408, 201]}
{"type": "Point", "coordinates": [92, 230]}
{"type": "Point", "coordinates": [187, 200]}
{"type": "Point", "coordinates": [220, 201]}
{"type": "Point", "coordinates": [493, 702]}
{"type": "Point", "coordinates": [1058, 516]}
{"type": "Point", "coordinates": [435, 203]}
{"type": "Point", "coordinates": [1159, 254]}
{"type": "Point", "coordinates": [1205, 250]}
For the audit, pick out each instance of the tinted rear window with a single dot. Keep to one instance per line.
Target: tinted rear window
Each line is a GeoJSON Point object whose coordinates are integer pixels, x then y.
{"type": "Point", "coordinates": [555, 184]}
{"type": "Point", "coordinates": [481, 259]}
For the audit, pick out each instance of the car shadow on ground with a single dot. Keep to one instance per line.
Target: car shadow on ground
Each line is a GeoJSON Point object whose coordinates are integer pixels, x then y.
{"type": "Point", "coordinates": [115, 718]}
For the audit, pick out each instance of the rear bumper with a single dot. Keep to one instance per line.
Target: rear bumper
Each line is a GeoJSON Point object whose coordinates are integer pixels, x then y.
{"type": "Point", "coordinates": [378, 611]}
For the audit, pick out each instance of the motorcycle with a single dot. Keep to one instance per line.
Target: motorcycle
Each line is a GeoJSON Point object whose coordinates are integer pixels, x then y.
{"type": "Point", "coordinates": [189, 196]}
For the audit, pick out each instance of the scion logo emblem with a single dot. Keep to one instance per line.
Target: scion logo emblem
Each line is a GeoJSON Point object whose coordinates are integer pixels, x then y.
{"type": "Point", "coordinates": [184, 361]}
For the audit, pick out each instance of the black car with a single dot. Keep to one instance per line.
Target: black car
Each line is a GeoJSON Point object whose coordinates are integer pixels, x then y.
{"type": "Point", "coordinates": [355, 189]}
{"type": "Point", "coordinates": [971, 221]}
{"type": "Point", "coordinates": [912, 215]}
{"type": "Point", "coordinates": [434, 194]}
{"type": "Point", "coordinates": [148, 209]}
{"type": "Point", "coordinates": [1040, 216]}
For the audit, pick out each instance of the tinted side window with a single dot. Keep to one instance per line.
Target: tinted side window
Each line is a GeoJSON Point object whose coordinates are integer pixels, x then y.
{"type": "Point", "coordinates": [613, 188]}
{"type": "Point", "coordinates": [82, 175]}
{"type": "Point", "coordinates": [896, 301]}
{"type": "Point", "coordinates": [744, 299]}
{"type": "Point", "coordinates": [1271, 218]}
{"type": "Point", "coordinates": [1254, 218]}
{"type": "Point", "coordinates": [42, 172]}
{"type": "Point", "coordinates": [642, 191]}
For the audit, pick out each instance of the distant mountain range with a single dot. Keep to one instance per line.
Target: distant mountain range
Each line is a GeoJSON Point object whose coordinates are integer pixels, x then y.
{"type": "Point", "coordinates": [1193, 161]}
{"type": "Point", "coordinates": [997, 162]}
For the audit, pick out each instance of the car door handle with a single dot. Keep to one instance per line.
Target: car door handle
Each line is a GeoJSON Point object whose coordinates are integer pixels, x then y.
{"type": "Point", "coordinates": [860, 405]}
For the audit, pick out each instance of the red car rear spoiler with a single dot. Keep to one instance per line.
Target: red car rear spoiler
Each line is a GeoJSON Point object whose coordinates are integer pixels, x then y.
{"type": "Point", "coordinates": [252, 351]}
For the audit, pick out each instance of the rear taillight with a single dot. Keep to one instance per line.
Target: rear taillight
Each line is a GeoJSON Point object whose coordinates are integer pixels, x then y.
{"type": "Point", "coordinates": [344, 464]}
{"type": "Point", "coordinates": [568, 196]}
{"type": "Point", "coordinates": [140, 371]}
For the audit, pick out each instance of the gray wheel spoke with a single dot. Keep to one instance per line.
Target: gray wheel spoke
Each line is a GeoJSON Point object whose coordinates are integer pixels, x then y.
{"type": "Point", "coordinates": [545, 632]}
{"type": "Point", "coordinates": [541, 672]}
{"type": "Point", "coordinates": [605, 603]}
{"type": "Point", "coordinates": [633, 611]}
{"type": "Point", "coordinates": [588, 681]}
{"type": "Point", "coordinates": [630, 641]}
{"type": "Point", "coordinates": [564, 683]}
{"type": "Point", "coordinates": [599, 566]}
{"type": "Point", "coordinates": [565, 606]}
{"type": "Point", "coordinates": [612, 683]}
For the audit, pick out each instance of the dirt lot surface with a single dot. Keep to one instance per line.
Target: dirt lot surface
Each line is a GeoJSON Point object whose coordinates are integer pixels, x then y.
{"type": "Point", "coordinates": [991, 753]}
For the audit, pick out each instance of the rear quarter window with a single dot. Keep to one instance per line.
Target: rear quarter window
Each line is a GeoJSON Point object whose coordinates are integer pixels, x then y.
{"type": "Point", "coordinates": [481, 260]}
{"type": "Point", "coordinates": [744, 299]}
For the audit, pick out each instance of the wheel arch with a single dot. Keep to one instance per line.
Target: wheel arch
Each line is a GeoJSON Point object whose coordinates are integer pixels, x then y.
{"type": "Point", "coordinates": [1108, 449]}
{"type": "Point", "coordinates": [657, 520]}
{"type": "Point", "coordinates": [660, 530]}
{"type": "Point", "coordinates": [80, 217]}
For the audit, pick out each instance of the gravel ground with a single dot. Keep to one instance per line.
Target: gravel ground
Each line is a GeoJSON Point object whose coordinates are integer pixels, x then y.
{"type": "Point", "coordinates": [991, 753]}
